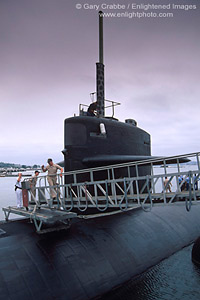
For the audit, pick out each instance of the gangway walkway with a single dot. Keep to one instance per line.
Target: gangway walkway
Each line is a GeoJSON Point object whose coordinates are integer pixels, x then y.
{"type": "Point", "coordinates": [133, 190]}
{"type": "Point", "coordinates": [42, 215]}
{"type": "Point", "coordinates": [102, 189]}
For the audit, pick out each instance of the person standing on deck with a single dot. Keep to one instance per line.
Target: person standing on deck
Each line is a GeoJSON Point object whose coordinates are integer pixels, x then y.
{"type": "Point", "coordinates": [167, 185]}
{"type": "Point", "coordinates": [196, 178]}
{"type": "Point", "coordinates": [52, 175]}
{"type": "Point", "coordinates": [187, 183]}
{"type": "Point", "coordinates": [33, 182]}
{"type": "Point", "coordinates": [18, 190]}
{"type": "Point", "coordinates": [180, 179]}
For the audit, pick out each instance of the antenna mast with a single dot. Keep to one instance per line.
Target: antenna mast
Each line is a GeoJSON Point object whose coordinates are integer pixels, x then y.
{"type": "Point", "coordinates": [100, 70]}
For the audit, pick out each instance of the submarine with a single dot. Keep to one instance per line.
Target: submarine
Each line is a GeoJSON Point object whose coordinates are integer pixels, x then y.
{"type": "Point", "coordinates": [98, 253]}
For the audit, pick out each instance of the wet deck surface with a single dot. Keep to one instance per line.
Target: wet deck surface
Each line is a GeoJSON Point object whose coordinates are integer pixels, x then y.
{"type": "Point", "coordinates": [93, 256]}
{"type": "Point", "coordinates": [32, 266]}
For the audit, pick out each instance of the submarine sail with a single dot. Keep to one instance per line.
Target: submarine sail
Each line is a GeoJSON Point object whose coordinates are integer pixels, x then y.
{"type": "Point", "coordinates": [101, 140]}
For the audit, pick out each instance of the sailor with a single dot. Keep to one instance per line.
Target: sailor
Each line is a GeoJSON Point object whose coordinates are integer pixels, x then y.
{"type": "Point", "coordinates": [180, 179]}
{"type": "Point", "coordinates": [92, 109]}
{"type": "Point", "coordinates": [33, 182]}
{"type": "Point", "coordinates": [187, 183]}
{"type": "Point", "coordinates": [167, 185]}
{"type": "Point", "coordinates": [196, 182]}
{"type": "Point", "coordinates": [18, 190]}
{"type": "Point", "coordinates": [52, 176]}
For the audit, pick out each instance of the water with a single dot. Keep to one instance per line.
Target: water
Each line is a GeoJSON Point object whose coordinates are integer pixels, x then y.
{"type": "Point", "coordinates": [174, 278]}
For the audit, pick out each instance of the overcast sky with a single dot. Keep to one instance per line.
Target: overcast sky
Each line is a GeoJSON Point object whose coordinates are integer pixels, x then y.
{"type": "Point", "coordinates": [48, 51]}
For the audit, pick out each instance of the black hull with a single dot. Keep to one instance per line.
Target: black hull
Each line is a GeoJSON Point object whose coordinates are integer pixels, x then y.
{"type": "Point", "coordinates": [93, 256]}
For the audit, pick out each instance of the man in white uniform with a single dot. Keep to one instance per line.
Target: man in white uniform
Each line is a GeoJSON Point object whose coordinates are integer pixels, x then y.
{"type": "Point", "coordinates": [52, 175]}
{"type": "Point", "coordinates": [18, 190]}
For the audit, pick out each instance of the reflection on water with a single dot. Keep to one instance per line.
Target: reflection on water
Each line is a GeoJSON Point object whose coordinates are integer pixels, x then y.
{"type": "Point", "coordinates": [174, 278]}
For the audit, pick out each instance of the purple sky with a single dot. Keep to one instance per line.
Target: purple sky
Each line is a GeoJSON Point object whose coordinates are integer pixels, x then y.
{"type": "Point", "coordinates": [48, 51]}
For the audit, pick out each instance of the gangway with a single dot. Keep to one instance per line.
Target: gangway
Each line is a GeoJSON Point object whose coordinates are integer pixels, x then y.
{"type": "Point", "coordinates": [126, 192]}
{"type": "Point", "coordinates": [80, 197]}
{"type": "Point", "coordinates": [42, 215]}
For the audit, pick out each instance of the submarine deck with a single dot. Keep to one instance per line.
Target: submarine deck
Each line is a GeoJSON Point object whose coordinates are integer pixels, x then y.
{"type": "Point", "coordinates": [93, 256]}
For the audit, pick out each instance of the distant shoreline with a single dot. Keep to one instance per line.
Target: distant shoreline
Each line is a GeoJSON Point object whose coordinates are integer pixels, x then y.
{"type": "Point", "coordinates": [14, 175]}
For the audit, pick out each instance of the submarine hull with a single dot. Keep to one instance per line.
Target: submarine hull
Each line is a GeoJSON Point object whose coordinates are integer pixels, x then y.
{"type": "Point", "coordinates": [94, 255]}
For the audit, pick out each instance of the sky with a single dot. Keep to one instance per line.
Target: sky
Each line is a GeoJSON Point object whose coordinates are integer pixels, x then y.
{"type": "Point", "coordinates": [48, 55]}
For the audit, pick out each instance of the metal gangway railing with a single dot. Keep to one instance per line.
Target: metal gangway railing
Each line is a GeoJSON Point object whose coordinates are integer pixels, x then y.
{"type": "Point", "coordinates": [124, 186]}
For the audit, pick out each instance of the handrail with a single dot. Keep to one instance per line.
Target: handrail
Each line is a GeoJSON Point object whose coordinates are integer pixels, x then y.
{"type": "Point", "coordinates": [128, 164]}
{"type": "Point", "coordinates": [112, 105]}
{"type": "Point", "coordinates": [151, 162]}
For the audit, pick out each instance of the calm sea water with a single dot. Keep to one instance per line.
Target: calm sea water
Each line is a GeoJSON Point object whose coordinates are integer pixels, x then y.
{"type": "Point", "coordinates": [175, 278]}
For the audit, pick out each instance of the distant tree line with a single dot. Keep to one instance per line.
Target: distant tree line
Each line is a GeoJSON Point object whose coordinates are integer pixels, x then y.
{"type": "Point", "coordinates": [10, 165]}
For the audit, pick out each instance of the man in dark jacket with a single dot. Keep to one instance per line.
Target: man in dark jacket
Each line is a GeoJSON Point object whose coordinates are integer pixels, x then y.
{"type": "Point", "coordinates": [91, 109]}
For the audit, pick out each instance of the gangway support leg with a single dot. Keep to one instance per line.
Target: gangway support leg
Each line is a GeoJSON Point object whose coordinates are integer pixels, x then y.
{"type": "Point", "coordinates": [38, 226]}
{"type": "Point", "coordinates": [6, 214]}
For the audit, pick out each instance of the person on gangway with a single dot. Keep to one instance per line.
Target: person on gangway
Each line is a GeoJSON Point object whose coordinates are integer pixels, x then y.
{"type": "Point", "coordinates": [167, 185]}
{"type": "Point", "coordinates": [52, 176]}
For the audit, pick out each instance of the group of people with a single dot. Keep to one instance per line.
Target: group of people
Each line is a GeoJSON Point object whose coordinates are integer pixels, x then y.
{"type": "Point", "coordinates": [183, 183]}
{"type": "Point", "coordinates": [51, 177]}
